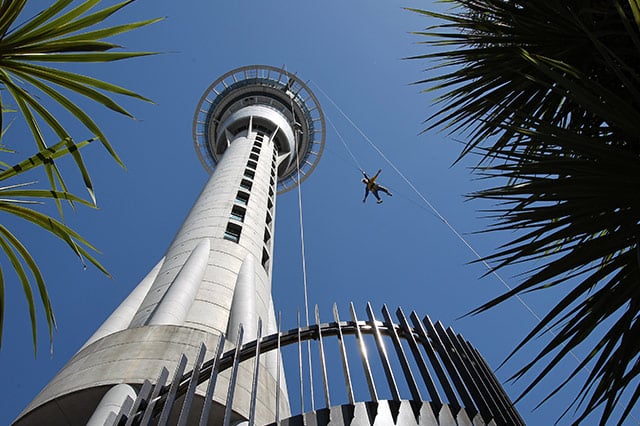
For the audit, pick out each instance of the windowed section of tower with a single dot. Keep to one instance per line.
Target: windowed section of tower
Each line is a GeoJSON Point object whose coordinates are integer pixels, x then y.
{"type": "Point", "coordinates": [242, 197]}
{"type": "Point", "coordinates": [233, 231]}
{"type": "Point", "coordinates": [265, 260]}
{"type": "Point", "coordinates": [246, 184]}
{"type": "Point", "coordinates": [238, 213]}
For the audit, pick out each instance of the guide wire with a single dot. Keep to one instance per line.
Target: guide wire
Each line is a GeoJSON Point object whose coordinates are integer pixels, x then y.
{"type": "Point", "coordinates": [302, 246]}
{"type": "Point", "coordinates": [491, 270]}
{"type": "Point", "coordinates": [353, 157]}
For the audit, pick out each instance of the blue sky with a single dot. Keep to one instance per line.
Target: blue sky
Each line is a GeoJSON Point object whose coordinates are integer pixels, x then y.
{"type": "Point", "coordinates": [398, 253]}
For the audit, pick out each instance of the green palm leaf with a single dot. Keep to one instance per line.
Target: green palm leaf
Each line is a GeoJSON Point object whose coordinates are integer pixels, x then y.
{"type": "Point", "coordinates": [61, 33]}
{"type": "Point", "coordinates": [548, 95]}
{"type": "Point", "coordinates": [54, 36]}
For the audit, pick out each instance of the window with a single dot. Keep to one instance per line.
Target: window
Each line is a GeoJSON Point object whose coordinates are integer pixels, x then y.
{"type": "Point", "coordinates": [269, 203]}
{"type": "Point", "coordinates": [255, 149]}
{"type": "Point", "coordinates": [246, 184]}
{"type": "Point", "coordinates": [233, 232]}
{"type": "Point", "coordinates": [250, 174]}
{"type": "Point", "coordinates": [267, 236]}
{"type": "Point", "coordinates": [271, 192]}
{"type": "Point", "coordinates": [254, 157]}
{"type": "Point", "coordinates": [252, 164]}
{"type": "Point", "coordinates": [269, 218]}
{"type": "Point", "coordinates": [242, 197]}
{"type": "Point", "coordinates": [271, 181]}
{"type": "Point", "coordinates": [237, 213]}
{"type": "Point", "coordinates": [265, 260]}
{"type": "Point", "coordinates": [258, 144]}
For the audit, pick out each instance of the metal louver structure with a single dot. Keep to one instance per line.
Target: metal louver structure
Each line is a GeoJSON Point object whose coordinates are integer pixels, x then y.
{"type": "Point", "coordinates": [197, 341]}
{"type": "Point", "coordinates": [443, 377]}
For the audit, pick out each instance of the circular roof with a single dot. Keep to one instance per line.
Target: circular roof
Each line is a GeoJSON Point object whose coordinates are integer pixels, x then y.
{"type": "Point", "coordinates": [270, 86]}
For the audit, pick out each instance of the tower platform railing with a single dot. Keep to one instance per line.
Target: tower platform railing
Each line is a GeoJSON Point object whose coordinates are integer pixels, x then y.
{"type": "Point", "coordinates": [407, 370]}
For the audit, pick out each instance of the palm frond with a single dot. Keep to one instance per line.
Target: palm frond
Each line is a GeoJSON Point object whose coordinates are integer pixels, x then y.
{"type": "Point", "coordinates": [548, 96]}
{"type": "Point", "coordinates": [61, 33]}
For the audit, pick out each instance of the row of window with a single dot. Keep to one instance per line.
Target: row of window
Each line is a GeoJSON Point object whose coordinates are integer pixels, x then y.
{"type": "Point", "coordinates": [269, 216]}
{"type": "Point", "coordinates": [238, 211]}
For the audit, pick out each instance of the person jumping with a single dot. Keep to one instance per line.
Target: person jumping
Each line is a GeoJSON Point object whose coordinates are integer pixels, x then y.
{"type": "Point", "coordinates": [371, 185]}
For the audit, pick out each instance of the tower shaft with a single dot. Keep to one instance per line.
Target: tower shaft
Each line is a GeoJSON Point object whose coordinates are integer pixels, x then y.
{"type": "Point", "coordinates": [258, 130]}
{"type": "Point", "coordinates": [234, 216]}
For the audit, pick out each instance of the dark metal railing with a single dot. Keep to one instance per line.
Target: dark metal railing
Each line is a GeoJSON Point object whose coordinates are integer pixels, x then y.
{"type": "Point", "coordinates": [427, 363]}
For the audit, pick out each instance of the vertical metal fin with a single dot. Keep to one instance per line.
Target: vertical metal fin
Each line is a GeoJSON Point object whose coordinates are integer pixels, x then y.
{"type": "Point", "coordinates": [454, 374]}
{"type": "Point", "coordinates": [279, 367]}
{"type": "Point", "coordinates": [500, 390]}
{"type": "Point", "coordinates": [462, 367]}
{"type": "Point", "coordinates": [143, 395]}
{"type": "Point", "coordinates": [125, 410]}
{"type": "Point", "coordinates": [300, 366]}
{"type": "Point", "coordinates": [402, 357]}
{"type": "Point", "coordinates": [193, 383]}
{"type": "Point", "coordinates": [148, 411]}
{"type": "Point", "coordinates": [213, 377]}
{"type": "Point", "coordinates": [479, 380]}
{"type": "Point", "coordinates": [382, 351]}
{"type": "Point", "coordinates": [417, 356]}
{"type": "Point", "coordinates": [363, 355]}
{"type": "Point", "coordinates": [323, 363]}
{"type": "Point", "coordinates": [171, 396]}
{"type": "Point", "coordinates": [256, 372]}
{"type": "Point", "coordinates": [343, 354]}
{"type": "Point", "coordinates": [452, 399]}
{"type": "Point", "coordinates": [233, 378]}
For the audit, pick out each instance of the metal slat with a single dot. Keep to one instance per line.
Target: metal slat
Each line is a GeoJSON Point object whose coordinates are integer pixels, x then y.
{"type": "Point", "coordinates": [435, 362]}
{"type": "Point", "coordinates": [171, 395]}
{"type": "Point", "coordinates": [454, 374]}
{"type": "Point", "coordinates": [145, 390]}
{"type": "Point", "coordinates": [497, 385]}
{"type": "Point", "coordinates": [363, 355]}
{"type": "Point", "coordinates": [279, 366]}
{"type": "Point", "coordinates": [325, 380]}
{"type": "Point", "coordinates": [233, 378]}
{"type": "Point", "coordinates": [343, 354]}
{"type": "Point", "coordinates": [417, 356]}
{"type": "Point", "coordinates": [462, 367]}
{"type": "Point", "coordinates": [125, 411]}
{"type": "Point", "coordinates": [495, 397]}
{"type": "Point", "coordinates": [300, 366]}
{"type": "Point", "coordinates": [382, 351]}
{"type": "Point", "coordinates": [193, 383]}
{"type": "Point", "coordinates": [402, 357]}
{"type": "Point", "coordinates": [488, 393]}
{"type": "Point", "coordinates": [256, 372]}
{"type": "Point", "coordinates": [148, 411]}
{"type": "Point", "coordinates": [213, 377]}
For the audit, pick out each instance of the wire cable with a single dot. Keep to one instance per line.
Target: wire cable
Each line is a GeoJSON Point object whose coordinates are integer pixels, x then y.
{"type": "Point", "coordinates": [491, 270]}
{"type": "Point", "coordinates": [353, 157]}
{"type": "Point", "coordinates": [304, 262]}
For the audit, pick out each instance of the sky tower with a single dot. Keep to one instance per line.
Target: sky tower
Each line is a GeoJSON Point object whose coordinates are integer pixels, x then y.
{"type": "Point", "coordinates": [259, 131]}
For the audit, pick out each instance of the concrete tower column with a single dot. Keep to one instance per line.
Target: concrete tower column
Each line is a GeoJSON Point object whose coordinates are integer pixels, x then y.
{"type": "Point", "coordinates": [249, 127]}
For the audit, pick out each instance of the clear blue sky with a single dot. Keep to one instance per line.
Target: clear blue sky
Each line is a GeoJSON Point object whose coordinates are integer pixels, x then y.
{"type": "Point", "coordinates": [398, 253]}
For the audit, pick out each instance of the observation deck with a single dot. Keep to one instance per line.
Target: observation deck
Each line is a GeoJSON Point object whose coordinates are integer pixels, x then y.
{"type": "Point", "coordinates": [269, 99]}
